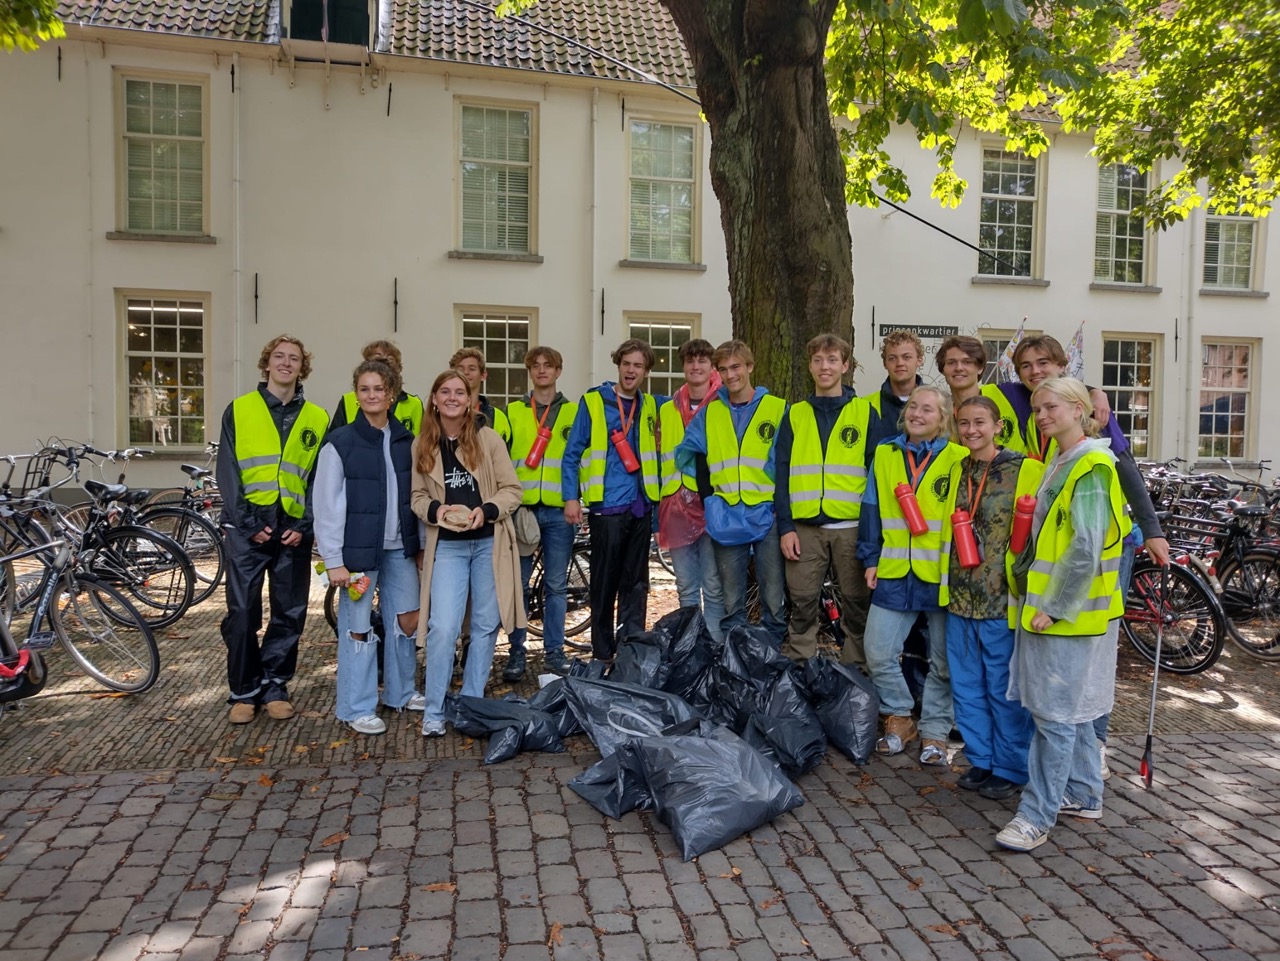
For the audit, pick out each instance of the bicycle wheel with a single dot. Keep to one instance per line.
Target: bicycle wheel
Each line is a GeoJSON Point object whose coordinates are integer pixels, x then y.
{"type": "Point", "coordinates": [533, 597]}
{"type": "Point", "coordinates": [16, 534]}
{"type": "Point", "coordinates": [1194, 625]}
{"type": "Point", "coordinates": [664, 557]}
{"type": "Point", "coordinates": [199, 538]}
{"type": "Point", "coordinates": [331, 607]}
{"type": "Point", "coordinates": [105, 635]}
{"type": "Point", "coordinates": [149, 567]}
{"type": "Point", "coordinates": [1251, 600]}
{"type": "Point", "coordinates": [577, 616]}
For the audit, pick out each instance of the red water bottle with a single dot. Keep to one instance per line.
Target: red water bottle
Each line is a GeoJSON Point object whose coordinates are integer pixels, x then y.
{"type": "Point", "coordinates": [539, 447]}
{"type": "Point", "coordinates": [1024, 512]}
{"type": "Point", "coordinates": [966, 543]}
{"type": "Point", "coordinates": [625, 453]}
{"type": "Point", "coordinates": [910, 509]}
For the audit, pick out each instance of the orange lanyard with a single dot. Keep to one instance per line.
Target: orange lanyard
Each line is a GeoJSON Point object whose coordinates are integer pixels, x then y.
{"type": "Point", "coordinates": [546, 410]}
{"type": "Point", "coordinates": [1039, 446]}
{"type": "Point", "coordinates": [917, 470]}
{"type": "Point", "coordinates": [627, 421]}
{"type": "Point", "coordinates": [975, 501]}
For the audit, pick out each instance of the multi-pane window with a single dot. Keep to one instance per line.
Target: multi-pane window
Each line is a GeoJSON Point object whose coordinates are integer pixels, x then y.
{"type": "Point", "coordinates": [1228, 251]}
{"type": "Point", "coordinates": [497, 178]}
{"type": "Point", "coordinates": [1007, 218]}
{"type": "Point", "coordinates": [1119, 253]}
{"type": "Point", "coordinates": [995, 342]}
{"type": "Point", "coordinates": [1128, 379]}
{"type": "Point", "coordinates": [165, 360]}
{"type": "Point", "coordinates": [662, 191]}
{"type": "Point", "coordinates": [164, 163]}
{"type": "Point", "coordinates": [504, 340]}
{"type": "Point", "coordinates": [665, 338]}
{"type": "Point", "coordinates": [1225, 398]}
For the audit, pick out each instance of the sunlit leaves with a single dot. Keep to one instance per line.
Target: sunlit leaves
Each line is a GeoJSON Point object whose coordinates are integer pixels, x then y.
{"type": "Point", "coordinates": [24, 24]}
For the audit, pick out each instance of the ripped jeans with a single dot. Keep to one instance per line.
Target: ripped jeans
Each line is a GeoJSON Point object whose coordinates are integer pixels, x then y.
{"type": "Point", "coordinates": [396, 579]}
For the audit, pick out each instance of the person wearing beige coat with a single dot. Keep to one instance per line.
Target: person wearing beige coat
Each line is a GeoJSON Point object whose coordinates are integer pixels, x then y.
{"type": "Point", "coordinates": [470, 546]}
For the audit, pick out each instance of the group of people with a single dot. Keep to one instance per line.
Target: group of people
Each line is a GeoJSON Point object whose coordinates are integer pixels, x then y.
{"type": "Point", "coordinates": [994, 516]}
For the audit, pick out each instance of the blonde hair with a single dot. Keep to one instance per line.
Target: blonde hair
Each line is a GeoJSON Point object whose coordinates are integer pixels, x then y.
{"type": "Point", "coordinates": [265, 357]}
{"type": "Point", "coordinates": [469, 450]}
{"type": "Point", "coordinates": [1073, 392]}
{"type": "Point", "coordinates": [897, 338]}
{"type": "Point", "coordinates": [948, 429]}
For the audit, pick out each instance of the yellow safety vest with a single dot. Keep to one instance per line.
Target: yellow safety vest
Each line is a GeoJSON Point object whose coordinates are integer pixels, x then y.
{"type": "Point", "coordinates": [268, 474]}
{"type": "Point", "coordinates": [1104, 601]}
{"type": "Point", "coordinates": [738, 473]}
{"type": "Point", "coordinates": [928, 555]}
{"type": "Point", "coordinates": [1029, 475]}
{"type": "Point", "coordinates": [670, 433]}
{"type": "Point", "coordinates": [407, 411]}
{"type": "Point", "coordinates": [542, 483]}
{"type": "Point", "coordinates": [1010, 435]}
{"type": "Point", "coordinates": [502, 425]}
{"type": "Point", "coordinates": [874, 401]}
{"type": "Point", "coordinates": [598, 449]}
{"type": "Point", "coordinates": [830, 482]}
{"type": "Point", "coordinates": [1041, 449]}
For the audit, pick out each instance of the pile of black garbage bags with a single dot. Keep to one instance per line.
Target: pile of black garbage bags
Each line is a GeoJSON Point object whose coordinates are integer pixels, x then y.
{"type": "Point", "coordinates": [707, 735]}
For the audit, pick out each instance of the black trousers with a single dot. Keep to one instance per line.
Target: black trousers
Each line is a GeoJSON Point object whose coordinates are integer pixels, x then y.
{"type": "Point", "coordinates": [619, 575]}
{"type": "Point", "coordinates": [259, 673]}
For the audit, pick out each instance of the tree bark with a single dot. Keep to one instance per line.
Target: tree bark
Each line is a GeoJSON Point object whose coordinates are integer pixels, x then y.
{"type": "Point", "coordinates": [777, 171]}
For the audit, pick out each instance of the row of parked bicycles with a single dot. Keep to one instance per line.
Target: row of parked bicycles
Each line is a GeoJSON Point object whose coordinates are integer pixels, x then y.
{"type": "Point", "coordinates": [1224, 582]}
{"type": "Point", "coordinates": [101, 576]}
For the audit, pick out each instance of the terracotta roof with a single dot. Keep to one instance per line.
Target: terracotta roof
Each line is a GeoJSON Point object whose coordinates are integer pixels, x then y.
{"type": "Point", "coordinates": [253, 20]}
{"type": "Point", "coordinates": [638, 32]}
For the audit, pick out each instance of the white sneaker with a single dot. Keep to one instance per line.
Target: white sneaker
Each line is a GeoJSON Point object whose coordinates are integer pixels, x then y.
{"type": "Point", "coordinates": [416, 703]}
{"type": "Point", "coordinates": [1106, 770]}
{"type": "Point", "coordinates": [369, 724]}
{"type": "Point", "coordinates": [433, 728]}
{"type": "Point", "coordinates": [1021, 835]}
{"type": "Point", "coordinates": [1078, 810]}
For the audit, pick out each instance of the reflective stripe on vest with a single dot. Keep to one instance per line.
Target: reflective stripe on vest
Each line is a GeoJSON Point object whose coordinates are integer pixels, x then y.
{"type": "Point", "coordinates": [738, 474]}
{"type": "Point", "coordinates": [1103, 602]}
{"type": "Point", "coordinates": [598, 449]}
{"type": "Point", "coordinates": [268, 474]}
{"type": "Point", "coordinates": [928, 556]}
{"type": "Point", "coordinates": [670, 434]}
{"type": "Point", "coordinates": [407, 411]}
{"type": "Point", "coordinates": [542, 483]}
{"type": "Point", "coordinates": [830, 482]}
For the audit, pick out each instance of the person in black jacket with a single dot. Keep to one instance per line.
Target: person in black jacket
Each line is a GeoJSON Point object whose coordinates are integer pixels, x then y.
{"type": "Point", "coordinates": [368, 536]}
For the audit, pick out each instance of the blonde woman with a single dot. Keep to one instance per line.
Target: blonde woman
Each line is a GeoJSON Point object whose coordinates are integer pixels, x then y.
{"type": "Point", "coordinates": [465, 489]}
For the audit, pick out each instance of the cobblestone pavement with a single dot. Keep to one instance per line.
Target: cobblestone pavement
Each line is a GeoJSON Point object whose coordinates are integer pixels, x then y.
{"type": "Point", "coordinates": [145, 828]}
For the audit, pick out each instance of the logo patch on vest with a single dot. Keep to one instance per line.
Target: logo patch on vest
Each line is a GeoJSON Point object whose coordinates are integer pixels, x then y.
{"type": "Point", "coordinates": [309, 438]}
{"type": "Point", "coordinates": [1006, 429]}
{"type": "Point", "coordinates": [653, 425]}
{"type": "Point", "coordinates": [564, 432]}
{"type": "Point", "coordinates": [408, 423]}
{"type": "Point", "coordinates": [1061, 517]}
{"type": "Point", "coordinates": [849, 436]}
{"type": "Point", "coordinates": [766, 431]}
{"type": "Point", "coordinates": [942, 487]}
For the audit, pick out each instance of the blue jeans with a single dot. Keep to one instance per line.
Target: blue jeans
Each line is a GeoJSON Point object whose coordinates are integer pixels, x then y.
{"type": "Point", "coordinates": [698, 581]}
{"type": "Point", "coordinates": [557, 549]}
{"type": "Point", "coordinates": [397, 580]}
{"type": "Point", "coordinates": [886, 632]}
{"type": "Point", "coordinates": [732, 563]}
{"type": "Point", "coordinates": [460, 568]}
{"type": "Point", "coordinates": [1127, 555]}
{"type": "Point", "coordinates": [997, 731]}
{"type": "Point", "coordinates": [1064, 761]}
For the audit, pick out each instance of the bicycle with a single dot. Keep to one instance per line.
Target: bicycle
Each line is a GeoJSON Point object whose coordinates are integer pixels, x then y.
{"type": "Point", "coordinates": [1193, 619]}
{"type": "Point", "coordinates": [577, 593]}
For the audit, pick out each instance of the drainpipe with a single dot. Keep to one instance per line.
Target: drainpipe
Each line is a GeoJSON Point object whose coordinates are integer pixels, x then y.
{"type": "Point", "coordinates": [88, 250]}
{"type": "Point", "coordinates": [596, 334]}
{"type": "Point", "coordinates": [236, 276]}
{"type": "Point", "coordinates": [1191, 345]}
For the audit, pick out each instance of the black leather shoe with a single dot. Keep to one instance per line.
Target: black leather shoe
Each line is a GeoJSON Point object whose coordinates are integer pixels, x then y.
{"type": "Point", "coordinates": [973, 778]}
{"type": "Point", "coordinates": [515, 666]}
{"type": "Point", "coordinates": [997, 788]}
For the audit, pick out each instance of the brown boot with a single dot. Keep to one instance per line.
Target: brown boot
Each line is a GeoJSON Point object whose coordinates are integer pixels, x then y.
{"type": "Point", "coordinates": [898, 732]}
{"type": "Point", "coordinates": [279, 710]}
{"type": "Point", "coordinates": [242, 712]}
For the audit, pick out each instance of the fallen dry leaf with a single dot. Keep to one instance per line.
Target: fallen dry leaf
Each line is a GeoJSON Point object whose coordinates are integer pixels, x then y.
{"type": "Point", "coordinates": [556, 937]}
{"type": "Point", "coordinates": [301, 749]}
{"type": "Point", "coordinates": [334, 839]}
{"type": "Point", "coordinates": [927, 790]}
{"type": "Point", "coordinates": [440, 886]}
{"type": "Point", "coordinates": [102, 694]}
{"type": "Point", "coordinates": [225, 760]}
{"type": "Point", "coordinates": [265, 780]}
{"type": "Point", "coordinates": [943, 928]}
{"type": "Point", "coordinates": [771, 903]}
{"type": "Point", "coordinates": [334, 745]}
{"type": "Point", "coordinates": [175, 636]}
{"type": "Point", "coordinates": [915, 883]}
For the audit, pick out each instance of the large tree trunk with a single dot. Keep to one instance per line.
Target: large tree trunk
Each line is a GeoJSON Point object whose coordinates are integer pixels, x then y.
{"type": "Point", "coordinates": [776, 168]}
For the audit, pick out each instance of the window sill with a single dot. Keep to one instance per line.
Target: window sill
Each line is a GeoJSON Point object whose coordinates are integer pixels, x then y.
{"type": "Point", "coordinates": [1126, 288]}
{"type": "Point", "coordinates": [1224, 292]}
{"type": "Point", "coordinates": [1008, 281]}
{"type": "Point", "coordinates": [495, 255]}
{"type": "Point", "coordinates": [161, 238]}
{"type": "Point", "coordinates": [663, 265]}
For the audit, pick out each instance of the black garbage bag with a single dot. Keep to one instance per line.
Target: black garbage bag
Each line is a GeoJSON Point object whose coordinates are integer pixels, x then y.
{"type": "Point", "coordinates": [752, 677]}
{"type": "Point", "coordinates": [592, 669]}
{"type": "Point", "coordinates": [552, 700]}
{"type": "Point", "coordinates": [613, 712]}
{"type": "Point", "coordinates": [795, 744]}
{"type": "Point", "coordinates": [708, 790]}
{"type": "Point", "coordinates": [611, 789]}
{"type": "Point", "coordinates": [511, 725]}
{"type": "Point", "coordinates": [641, 660]}
{"type": "Point", "coordinates": [846, 703]}
{"type": "Point", "coordinates": [690, 652]}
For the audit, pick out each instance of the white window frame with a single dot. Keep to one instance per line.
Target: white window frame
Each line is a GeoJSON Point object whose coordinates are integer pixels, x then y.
{"type": "Point", "coordinates": [1127, 415]}
{"type": "Point", "coordinates": [1032, 249]}
{"type": "Point", "coordinates": [1115, 228]}
{"type": "Point", "coordinates": [1246, 449]}
{"type": "Point", "coordinates": [989, 335]}
{"type": "Point", "coordinates": [694, 182]}
{"type": "Point", "coordinates": [121, 79]}
{"type": "Point", "coordinates": [166, 413]}
{"type": "Point", "coordinates": [461, 105]}
{"type": "Point", "coordinates": [1224, 222]}
{"type": "Point", "coordinates": [667, 370]}
{"type": "Point", "coordinates": [510, 371]}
